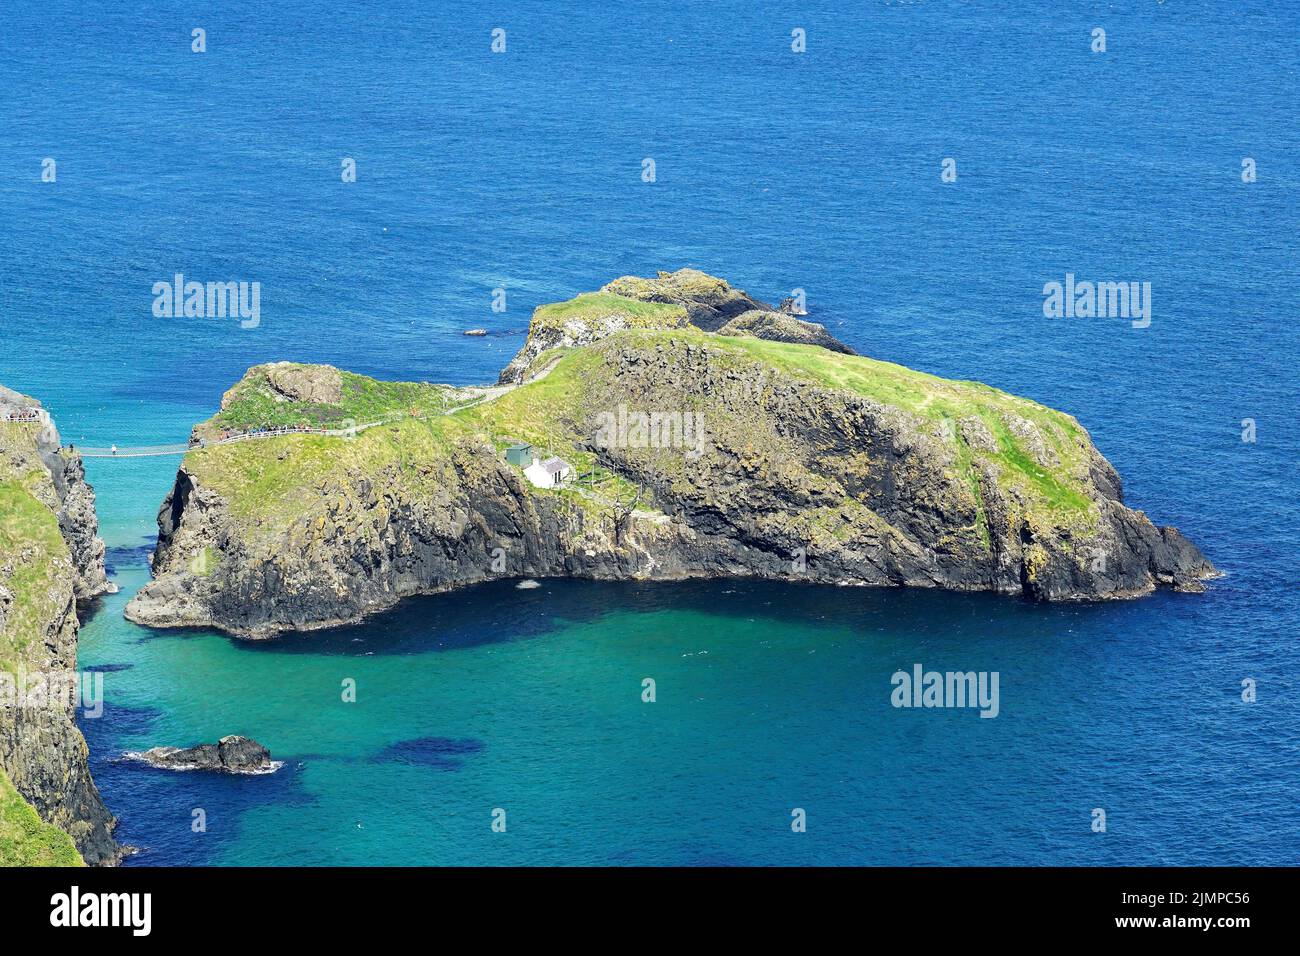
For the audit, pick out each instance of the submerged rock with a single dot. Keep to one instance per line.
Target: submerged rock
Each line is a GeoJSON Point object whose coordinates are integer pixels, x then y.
{"type": "Point", "coordinates": [229, 755]}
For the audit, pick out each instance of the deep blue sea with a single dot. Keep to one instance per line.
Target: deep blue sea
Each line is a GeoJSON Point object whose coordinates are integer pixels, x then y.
{"type": "Point", "coordinates": [777, 170]}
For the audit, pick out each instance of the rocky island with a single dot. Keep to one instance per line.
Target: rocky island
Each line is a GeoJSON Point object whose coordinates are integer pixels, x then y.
{"type": "Point", "coordinates": [51, 560]}
{"type": "Point", "coordinates": [656, 429]}
{"type": "Point", "coordinates": [230, 754]}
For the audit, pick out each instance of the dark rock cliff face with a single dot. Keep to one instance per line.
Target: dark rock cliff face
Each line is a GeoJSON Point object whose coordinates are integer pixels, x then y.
{"type": "Point", "coordinates": [842, 489]}
{"type": "Point", "coordinates": [45, 757]}
{"type": "Point", "coordinates": [373, 545]}
{"type": "Point", "coordinates": [41, 749]}
{"type": "Point", "coordinates": [231, 754]}
{"type": "Point", "coordinates": [791, 480]}
{"type": "Point", "coordinates": [79, 526]}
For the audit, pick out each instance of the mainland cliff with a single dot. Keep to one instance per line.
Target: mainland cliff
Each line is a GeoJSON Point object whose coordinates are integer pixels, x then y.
{"type": "Point", "coordinates": [51, 559]}
{"type": "Point", "coordinates": [704, 435]}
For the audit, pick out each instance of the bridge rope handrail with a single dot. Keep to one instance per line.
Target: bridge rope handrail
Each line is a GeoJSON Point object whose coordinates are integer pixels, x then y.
{"type": "Point", "coordinates": [486, 394]}
{"type": "Point", "coordinates": [140, 451]}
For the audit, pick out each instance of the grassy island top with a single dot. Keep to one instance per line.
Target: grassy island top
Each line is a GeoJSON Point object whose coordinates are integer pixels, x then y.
{"type": "Point", "coordinates": [290, 394]}
{"type": "Point", "coordinates": [1040, 452]}
{"type": "Point", "coordinates": [591, 307]}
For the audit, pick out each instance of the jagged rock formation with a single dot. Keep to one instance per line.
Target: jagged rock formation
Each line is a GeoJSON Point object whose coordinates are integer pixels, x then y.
{"type": "Point", "coordinates": [700, 455]}
{"type": "Point", "coordinates": [232, 754]}
{"type": "Point", "coordinates": [671, 300]}
{"type": "Point", "coordinates": [312, 384]}
{"type": "Point", "coordinates": [50, 558]}
{"type": "Point", "coordinates": [780, 327]}
{"type": "Point", "coordinates": [709, 302]}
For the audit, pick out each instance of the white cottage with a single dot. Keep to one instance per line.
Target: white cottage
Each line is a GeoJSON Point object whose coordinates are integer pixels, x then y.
{"type": "Point", "coordinates": [551, 473]}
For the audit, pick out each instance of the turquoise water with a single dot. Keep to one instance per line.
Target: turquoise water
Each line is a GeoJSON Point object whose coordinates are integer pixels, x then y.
{"type": "Point", "coordinates": [768, 697]}
{"type": "Point", "coordinates": [776, 170]}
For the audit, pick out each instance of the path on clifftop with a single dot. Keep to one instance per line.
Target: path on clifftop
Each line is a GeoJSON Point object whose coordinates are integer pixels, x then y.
{"type": "Point", "coordinates": [487, 393]}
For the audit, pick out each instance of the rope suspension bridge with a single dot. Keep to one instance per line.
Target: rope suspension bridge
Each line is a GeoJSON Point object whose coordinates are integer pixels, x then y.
{"type": "Point", "coordinates": [37, 416]}
{"type": "Point", "coordinates": [150, 451]}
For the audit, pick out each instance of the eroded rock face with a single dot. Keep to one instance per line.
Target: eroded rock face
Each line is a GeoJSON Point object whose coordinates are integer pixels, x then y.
{"type": "Point", "coordinates": [866, 493]}
{"type": "Point", "coordinates": [46, 759]}
{"type": "Point", "coordinates": [709, 301]}
{"type": "Point", "coordinates": [41, 749]}
{"type": "Point", "coordinates": [714, 306]}
{"type": "Point", "coordinates": [373, 541]}
{"type": "Point", "coordinates": [79, 525]}
{"type": "Point", "coordinates": [232, 754]}
{"type": "Point", "coordinates": [779, 327]}
{"type": "Point", "coordinates": [597, 323]}
{"type": "Point", "coordinates": [290, 382]}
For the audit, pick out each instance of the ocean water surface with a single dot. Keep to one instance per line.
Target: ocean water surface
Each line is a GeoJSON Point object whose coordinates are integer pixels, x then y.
{"type": "Point", "coordinates": [778, 171]}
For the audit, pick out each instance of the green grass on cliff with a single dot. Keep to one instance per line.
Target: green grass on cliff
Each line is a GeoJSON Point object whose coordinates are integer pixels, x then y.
{"type": "Point", "coordinates": [253, 404]}
{"type": "Point", "coordinates": [593, 306]}
{"type": "Point", "coordinates": [270, 483]}
{"type": "Point", "coordinates": [273, 481]}
{"type": "Point", "coordinates": [933, 400]}
{"type": "Point", "coordinates": [30, 547]}
{"type": "Point", "coordinates": [26, 840]}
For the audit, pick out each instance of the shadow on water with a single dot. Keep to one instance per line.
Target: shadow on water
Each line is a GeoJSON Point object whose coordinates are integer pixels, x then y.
{"type": "Point", "coordinates": [107, 668]}
{"type": "Point", "coordinates": [156, 809]}
{"type": "Point", "coordinates": [119, 556]}
{"type": "Point", "coordinates": [439, 753]}
{"type": "Point", "coordinates": [500, 611]}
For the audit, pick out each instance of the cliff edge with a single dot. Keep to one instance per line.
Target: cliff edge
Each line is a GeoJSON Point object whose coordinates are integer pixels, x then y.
{"type": "Point", "coordinates": [50, 559]}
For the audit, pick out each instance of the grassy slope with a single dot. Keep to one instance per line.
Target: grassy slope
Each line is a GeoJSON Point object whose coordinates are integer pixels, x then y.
{"type": "Point", "coordinates": [266, 484]}
{"type": "Point", "coordinates": [535, 411]}
{"type": "Point", "coordinates": [27, 841]}
{"type": "Point", "coordinates": [31, 544]}
{"type": "Point", "coordinates": [936, 399]}
{"type": "Point", "coordinates": [591, 306]}
{"type": "Point", "coordinates": [364, 400]}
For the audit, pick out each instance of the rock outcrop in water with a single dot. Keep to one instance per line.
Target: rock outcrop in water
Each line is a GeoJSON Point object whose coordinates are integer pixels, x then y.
{"type": "Point", "coordinates": [696, 454]}
{"type": "Point", "coordinates": [231, 754]}
{"type": "Point", "coordinates": [50, 559]}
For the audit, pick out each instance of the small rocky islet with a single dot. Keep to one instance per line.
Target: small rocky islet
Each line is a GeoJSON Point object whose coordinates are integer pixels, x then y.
{"type": "Point", "coordinates": [230, 754]}
{"type": "Point", "coordinates": [807, 462]}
